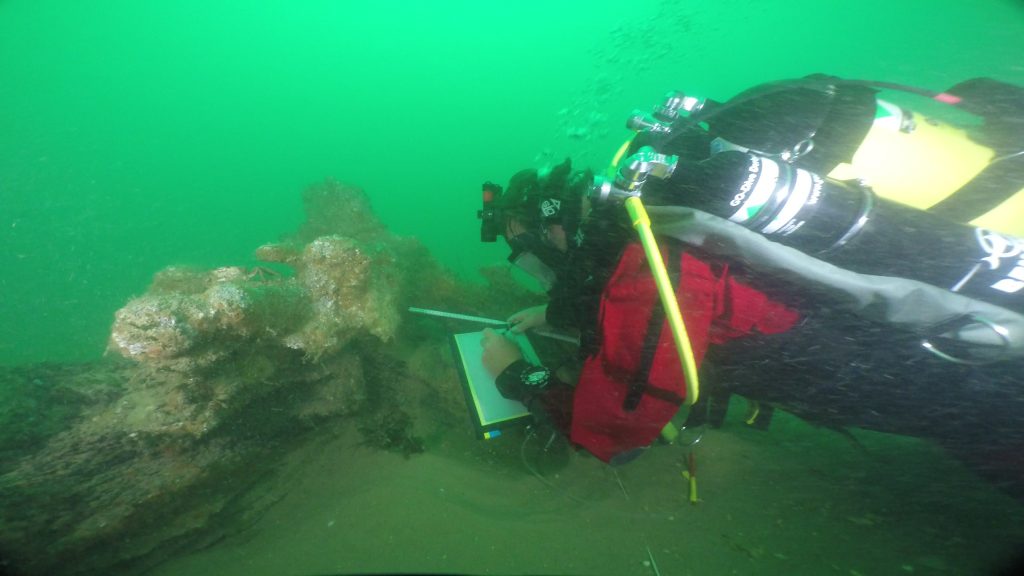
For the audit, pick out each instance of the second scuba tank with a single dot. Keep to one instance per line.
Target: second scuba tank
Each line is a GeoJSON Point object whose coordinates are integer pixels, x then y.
{"type": "Point", "coordinates": [845, 224]}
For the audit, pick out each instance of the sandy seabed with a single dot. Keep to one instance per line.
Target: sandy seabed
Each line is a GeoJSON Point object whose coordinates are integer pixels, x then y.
{"type": "Point", "coordinates": [793, 500]}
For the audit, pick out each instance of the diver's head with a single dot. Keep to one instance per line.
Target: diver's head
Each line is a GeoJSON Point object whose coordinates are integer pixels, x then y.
{"type": "Point", "coordinates": [539, 215]}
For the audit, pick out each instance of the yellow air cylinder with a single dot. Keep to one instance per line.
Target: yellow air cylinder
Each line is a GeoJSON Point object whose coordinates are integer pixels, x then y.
{"type": "Point", "coordinates": [919, 161]}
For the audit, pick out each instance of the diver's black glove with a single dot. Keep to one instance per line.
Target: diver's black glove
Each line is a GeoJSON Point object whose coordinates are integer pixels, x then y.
{"type": "Point", "coordinates": [527, 383]}
{"type": "Point", "coordinates": [522, 381]}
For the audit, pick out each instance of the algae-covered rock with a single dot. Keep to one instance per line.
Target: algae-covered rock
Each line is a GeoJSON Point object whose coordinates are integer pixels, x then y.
{"type": "Point", "coordinates": [109, 467]}
{"type": "Point", "coordinates": [345, 282]}
{"type": "Point", "coordinates": [187, 329]}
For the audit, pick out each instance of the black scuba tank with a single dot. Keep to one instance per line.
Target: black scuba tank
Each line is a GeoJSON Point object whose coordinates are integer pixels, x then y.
{"type": "Point", "coordinates": [845, 224]}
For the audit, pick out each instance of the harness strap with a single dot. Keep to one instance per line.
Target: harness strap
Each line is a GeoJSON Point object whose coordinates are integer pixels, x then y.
{"type": "Point", "coordinates": [986, 191]}
{"type": "Point", "coordinates": [638, 384]}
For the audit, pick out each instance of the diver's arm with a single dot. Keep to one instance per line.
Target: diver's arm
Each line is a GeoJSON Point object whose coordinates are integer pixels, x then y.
{"type": "Point", "coordinates": [547, 397]}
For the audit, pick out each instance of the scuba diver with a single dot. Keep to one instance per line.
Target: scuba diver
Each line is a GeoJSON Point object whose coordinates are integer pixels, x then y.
{"type": "Point", "coordinates": [628, 387]}
{"type": "Point", "coordinates": [891, 232]}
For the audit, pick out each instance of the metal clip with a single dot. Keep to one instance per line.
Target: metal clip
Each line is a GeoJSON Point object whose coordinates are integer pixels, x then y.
{"type": "Point", "coordinates": [958, 325]}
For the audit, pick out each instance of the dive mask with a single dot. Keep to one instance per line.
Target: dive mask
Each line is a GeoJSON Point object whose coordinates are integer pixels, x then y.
{"type": "Point", "coordinates": [535, 256]}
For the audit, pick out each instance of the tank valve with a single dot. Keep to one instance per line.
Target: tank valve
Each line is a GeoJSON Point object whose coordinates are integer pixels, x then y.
{"type": "Point", "coordinates": [665, 114]}
{"type": "Point", "coordinates": [633, 174]}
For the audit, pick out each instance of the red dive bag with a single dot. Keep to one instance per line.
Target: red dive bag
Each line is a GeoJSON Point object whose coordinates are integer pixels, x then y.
{"type": "Point", "coordinates": [626, 396]}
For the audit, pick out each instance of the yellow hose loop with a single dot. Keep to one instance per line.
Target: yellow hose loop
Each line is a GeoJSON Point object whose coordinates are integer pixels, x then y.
{"type": "Point", "coordinates": [642, 223]}
{"type": "Point", "coordinates": [618, 157]}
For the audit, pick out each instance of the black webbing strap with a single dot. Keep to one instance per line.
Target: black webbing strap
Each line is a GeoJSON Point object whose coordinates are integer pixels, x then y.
{"type": "Point", "coordinates": [638, 385]}
{"type": "Point", "coordinates": [996, 184]}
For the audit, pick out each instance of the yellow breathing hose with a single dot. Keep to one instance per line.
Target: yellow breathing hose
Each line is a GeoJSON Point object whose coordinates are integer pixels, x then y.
{"type": "Point", "coordinates": [642, 223]}
{"type": "Point", "coordinates": [619, 154]}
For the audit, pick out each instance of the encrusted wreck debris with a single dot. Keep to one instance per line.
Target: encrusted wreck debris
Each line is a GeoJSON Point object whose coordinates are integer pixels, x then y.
{"type": "Point", "coordinates": [213, 373]}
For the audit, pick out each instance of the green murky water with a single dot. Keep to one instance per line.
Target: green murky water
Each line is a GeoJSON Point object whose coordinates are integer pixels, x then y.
{"type": "Point", "coordinates": [134, 135]}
